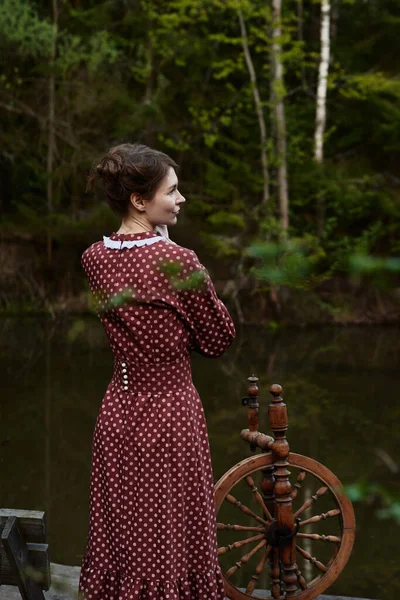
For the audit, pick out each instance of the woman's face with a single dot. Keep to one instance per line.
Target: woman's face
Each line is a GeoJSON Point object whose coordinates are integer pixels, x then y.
{"type": "Point", "coordinates": [163, 209]}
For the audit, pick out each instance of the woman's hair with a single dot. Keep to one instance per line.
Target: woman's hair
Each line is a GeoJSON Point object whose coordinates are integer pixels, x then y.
{"type": "Point", "coordinates": [130, 169]}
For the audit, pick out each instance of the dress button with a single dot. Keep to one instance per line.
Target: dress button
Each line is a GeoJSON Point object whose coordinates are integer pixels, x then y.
{"type": "Point", "coordinates": [124, 370]}
{"type": "Point", "coordinates": [123, 364]}
{"type": "Point", "coordinates": [125, 387]}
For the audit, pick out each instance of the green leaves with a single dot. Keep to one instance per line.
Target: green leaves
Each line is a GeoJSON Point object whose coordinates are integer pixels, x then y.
{"type": "Point", "coordinates": [287, 263]}
{"type": "Point", "coordinates": [369, 492]}
{"type": "Point", "coordinates": [382, 271]}
{"type": "Point", "coordinates": [194, 281]}
{"type": "Point", "coordinates": [223, 219]}
{"type": "Point", "coordinates": [21, 24]}
{"type": "Point", "coordinates": [74, 51]}
{"type": "Point", "coordinates": [361, 263]}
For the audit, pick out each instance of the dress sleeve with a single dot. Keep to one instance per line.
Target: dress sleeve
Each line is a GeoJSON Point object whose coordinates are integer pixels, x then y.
{"type": "Point", "coordinates": [197, 303]}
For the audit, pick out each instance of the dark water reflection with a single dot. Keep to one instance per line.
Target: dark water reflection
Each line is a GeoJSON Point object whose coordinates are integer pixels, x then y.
{"type": "Point", "coordinates": [341, 387]}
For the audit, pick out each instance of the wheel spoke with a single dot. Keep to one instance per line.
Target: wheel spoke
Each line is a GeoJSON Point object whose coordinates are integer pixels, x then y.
{"type": "Point", "coordinates": [316, 518]}
{"type": "Point", "coordinates": [311, 501]}
{"type": "Point", "coordinates": [227, 527]}
{"type": "Point", "coordinates": [300, 478]}
{"type": "Point", "coordinates": [334, 539]}
{"type": "Point", "coordinates": [254, 489]}
{"type": "Point", "coordinates": [245, 559]}
{"type": "Point", "coordinates": [300, 578]}
{"type": "Point", "coordinates": [312, 559]}
{"type": "Point", "coordinates": [240, 544]}
{"type": "Point", "coordinates": [244, 509]}
{"type": "Point", "coordinates": [252, 583]}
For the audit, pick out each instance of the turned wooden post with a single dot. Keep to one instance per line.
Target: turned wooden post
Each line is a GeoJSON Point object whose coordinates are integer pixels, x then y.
{"type": "Point", "coordinates": [278, 420]}
{"type": "Point", "coordinates": [251, 400]}
{"type": "Point", "coordinates": [252, 413]}
{"type": "Point", "coordinates": [267, 486]}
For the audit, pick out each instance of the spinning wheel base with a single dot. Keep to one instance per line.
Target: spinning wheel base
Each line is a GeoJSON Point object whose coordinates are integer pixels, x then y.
{"type": "Point", "coordinates": [342, 514]}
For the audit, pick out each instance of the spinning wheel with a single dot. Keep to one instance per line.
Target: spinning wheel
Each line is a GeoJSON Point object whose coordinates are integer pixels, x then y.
{"type": "Point", "coordinates": [291, 536]}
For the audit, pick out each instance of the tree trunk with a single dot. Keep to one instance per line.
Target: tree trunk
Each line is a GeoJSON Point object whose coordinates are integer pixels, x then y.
{"type": "Point", "coordinates": [279, 113]}
{"type": "Point", "coordinates": [320, 120]}
{"type": "Point", "coordinates": [51, 134]}
{"type": "Point", "coordinates": [258, 105]}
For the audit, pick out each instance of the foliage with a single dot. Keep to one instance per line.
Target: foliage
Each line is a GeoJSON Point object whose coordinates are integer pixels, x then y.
{"type": "Point", "coordinates": [287, 263]}
{"type": "Point", "coordinates": [22, 27]}
{"type": "Point", "coordinates": [173, 75]}
{"type": "Point", "coordinates": [173, 271]}
{"type": "Point", "coordinates": [363, 491]}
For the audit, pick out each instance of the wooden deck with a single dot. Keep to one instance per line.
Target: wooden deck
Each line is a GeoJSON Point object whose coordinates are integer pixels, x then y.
{"type": "Point", "coordinates": [65, 585]}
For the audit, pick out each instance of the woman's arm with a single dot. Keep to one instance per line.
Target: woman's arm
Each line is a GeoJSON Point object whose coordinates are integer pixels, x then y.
{"type": "Point", "coordinates": [193, 295]}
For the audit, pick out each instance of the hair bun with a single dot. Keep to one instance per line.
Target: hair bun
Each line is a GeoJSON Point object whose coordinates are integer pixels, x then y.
{"type": "Point", "coordinates": [109, 166]}
{"type": "Point", "coordinates": [130, 169]}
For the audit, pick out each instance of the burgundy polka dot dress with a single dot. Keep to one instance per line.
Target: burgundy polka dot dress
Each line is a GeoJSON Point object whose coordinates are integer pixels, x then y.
{"type": "Point", "coordinates": [152, 530]}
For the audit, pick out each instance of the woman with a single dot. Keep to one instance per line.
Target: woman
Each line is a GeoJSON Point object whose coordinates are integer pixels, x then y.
{"type": "Point", "coordinates": [152, 521]}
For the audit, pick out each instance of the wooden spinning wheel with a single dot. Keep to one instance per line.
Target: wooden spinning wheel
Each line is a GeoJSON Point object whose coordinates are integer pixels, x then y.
{"type": "Point", "coordinates": [293, 528]}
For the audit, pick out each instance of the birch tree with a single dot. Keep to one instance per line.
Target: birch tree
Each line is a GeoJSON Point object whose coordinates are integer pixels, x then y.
{"type": "Point", "coordinates": [258, 105]}
{"type": "Point", "coordinates": [278, 91]}
{"type": "Point", "coordinates": [320, 120]}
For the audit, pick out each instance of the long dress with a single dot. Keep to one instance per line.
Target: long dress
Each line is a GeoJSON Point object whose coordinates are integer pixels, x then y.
{"type": "Point", "coordinates": [152, 526]}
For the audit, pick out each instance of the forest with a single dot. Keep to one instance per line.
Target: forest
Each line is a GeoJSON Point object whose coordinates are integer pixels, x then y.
{"type": "Point", "coordinates": [284, 117]}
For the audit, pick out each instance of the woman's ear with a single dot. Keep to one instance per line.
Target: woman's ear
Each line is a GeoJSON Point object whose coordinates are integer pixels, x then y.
{"type": "Point", "coordinates": [137, 202]}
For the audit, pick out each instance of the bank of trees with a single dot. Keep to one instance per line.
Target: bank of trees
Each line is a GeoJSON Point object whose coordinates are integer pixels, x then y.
{"type": "Point", "coordinates": [283, 114]}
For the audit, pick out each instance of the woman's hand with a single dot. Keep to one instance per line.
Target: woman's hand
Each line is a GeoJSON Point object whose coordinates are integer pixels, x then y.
{"type": "Point", "coordinates": [163, 229]}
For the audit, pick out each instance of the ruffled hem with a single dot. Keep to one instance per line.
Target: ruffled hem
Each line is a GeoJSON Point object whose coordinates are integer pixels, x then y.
{"type": "Point", "coordinates": [97, 584]}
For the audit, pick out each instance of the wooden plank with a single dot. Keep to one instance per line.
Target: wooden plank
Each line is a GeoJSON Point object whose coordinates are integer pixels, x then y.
{"type": "Point", "coordinates": [38, 557]}
{"type": "Point", "coordinates": [31, 523]}
{"type": "Point", "coordinates": [17, 554]}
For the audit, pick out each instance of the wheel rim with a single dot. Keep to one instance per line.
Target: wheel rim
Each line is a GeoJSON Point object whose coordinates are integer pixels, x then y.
{"type": "Point", "coordinates": [344, 512]}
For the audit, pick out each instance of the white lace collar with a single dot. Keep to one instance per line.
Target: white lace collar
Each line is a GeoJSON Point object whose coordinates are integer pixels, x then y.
{"type": "Point", "coordinates": [120, 244]}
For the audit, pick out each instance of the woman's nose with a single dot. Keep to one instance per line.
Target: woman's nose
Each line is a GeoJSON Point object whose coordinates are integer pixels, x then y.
{"type": "Point", "coordinates": [181, 198]}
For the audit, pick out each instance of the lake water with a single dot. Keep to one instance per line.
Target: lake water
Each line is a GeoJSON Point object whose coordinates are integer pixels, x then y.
{"type": "Point", "coordinates": [341, 386]}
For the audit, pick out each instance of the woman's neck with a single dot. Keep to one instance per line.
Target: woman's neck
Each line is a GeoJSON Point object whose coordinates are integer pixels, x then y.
{"type": "Point", "coordinates": [133, 224]}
